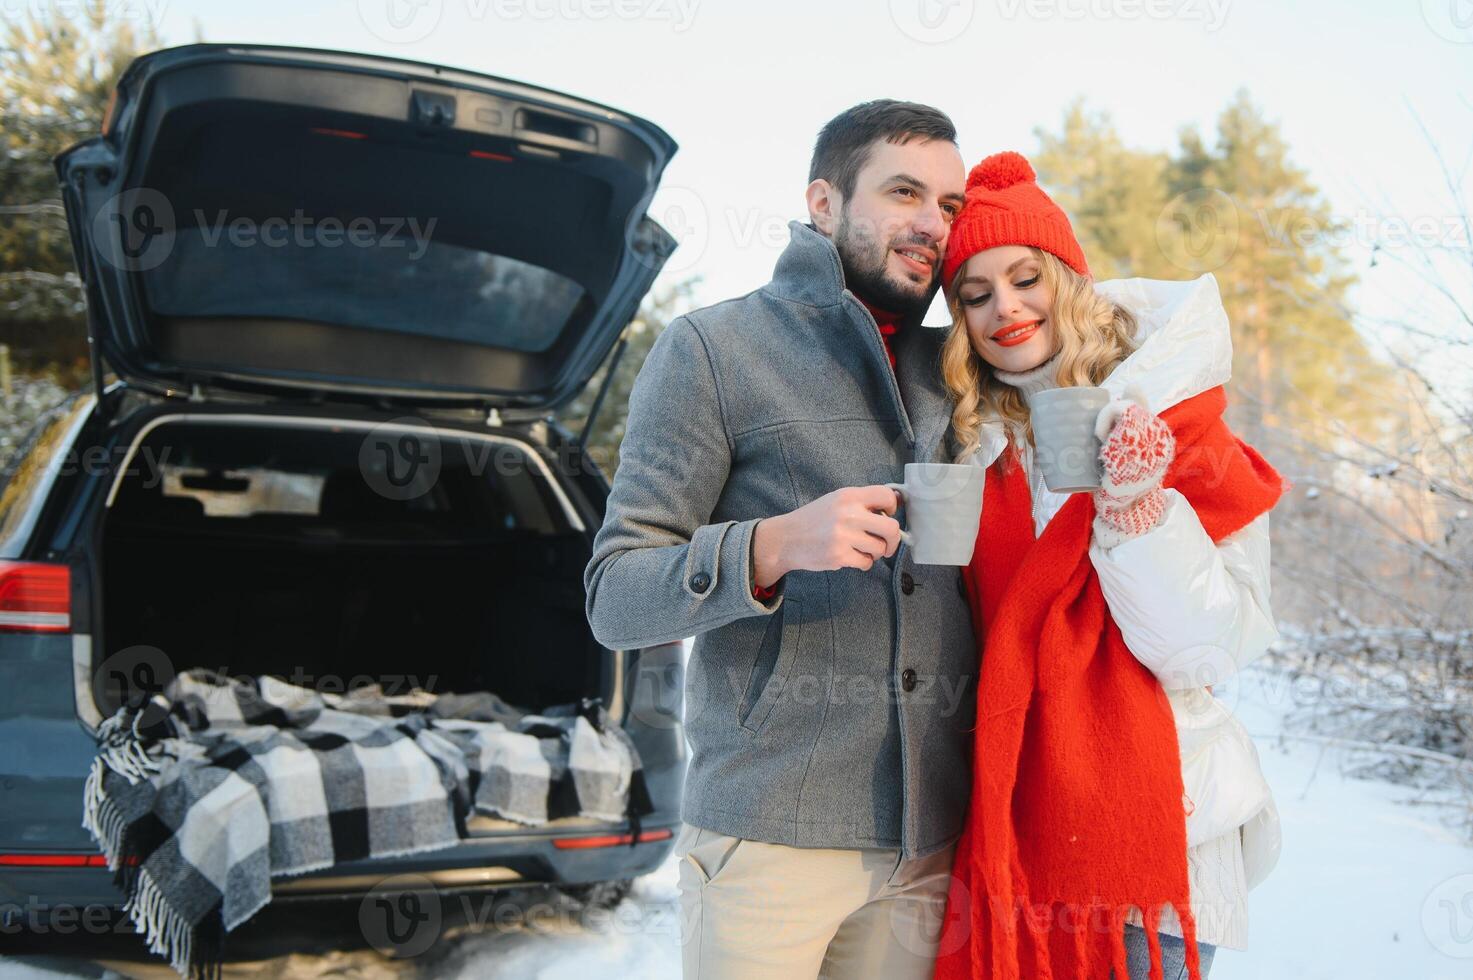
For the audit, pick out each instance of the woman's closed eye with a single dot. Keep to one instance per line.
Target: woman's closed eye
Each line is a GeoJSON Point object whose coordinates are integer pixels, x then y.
{"type": "Point", "coordinates": [982, 298]}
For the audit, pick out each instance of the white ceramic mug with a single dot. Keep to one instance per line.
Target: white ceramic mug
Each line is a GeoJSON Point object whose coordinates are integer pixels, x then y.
{"type": "Point", "coordinates": [943, 509]}
{"type": "Point", "coordinates": [1064, 442]}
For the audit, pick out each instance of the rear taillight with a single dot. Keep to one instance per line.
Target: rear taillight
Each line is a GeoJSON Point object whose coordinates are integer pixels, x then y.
{"type": "Point", "coordinates": [609, 840]}
{"type": "Point", "coordinates": [52, 861]}
{"type": "Point", "coordinates": [346, 134]}
{"type": "Point", "coordinates": [33, 860]}
{"type": "Point", "coordinates": [35, 597]}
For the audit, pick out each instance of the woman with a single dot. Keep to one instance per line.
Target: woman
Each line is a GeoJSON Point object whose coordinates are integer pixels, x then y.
{"type": "Point", "coordinates": [1119, 814]}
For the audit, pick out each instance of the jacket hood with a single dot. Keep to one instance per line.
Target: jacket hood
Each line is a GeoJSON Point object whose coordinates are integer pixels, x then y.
{"type": "Point", "coordinates": [1185, 346]}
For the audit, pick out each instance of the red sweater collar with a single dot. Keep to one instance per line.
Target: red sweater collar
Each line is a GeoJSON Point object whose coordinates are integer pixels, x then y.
{"type": "Point", "coordinates": [887, 322]}
{"type": "Point", "coordinates": [882, 317]}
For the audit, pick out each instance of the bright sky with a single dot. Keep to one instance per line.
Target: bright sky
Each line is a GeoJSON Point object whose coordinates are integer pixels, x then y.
{"type": "Point", "coordinates": [744, 85]}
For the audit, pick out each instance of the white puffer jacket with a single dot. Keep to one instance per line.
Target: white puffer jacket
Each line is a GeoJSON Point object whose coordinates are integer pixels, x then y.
{"type": "Point", "coordinates": [1191, 611]}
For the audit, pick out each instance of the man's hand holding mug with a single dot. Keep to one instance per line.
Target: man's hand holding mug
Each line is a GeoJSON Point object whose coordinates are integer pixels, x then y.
{"type": "Point", "coordinates": [852, 527]}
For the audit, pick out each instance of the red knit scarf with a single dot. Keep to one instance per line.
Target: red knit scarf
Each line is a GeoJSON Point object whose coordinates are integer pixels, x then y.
{"type": "Point", "coordinates": [1076, 812]}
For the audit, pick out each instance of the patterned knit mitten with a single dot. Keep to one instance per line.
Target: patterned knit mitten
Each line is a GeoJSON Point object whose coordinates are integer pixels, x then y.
{"type": "Point", "coordinates": [1138, 448]}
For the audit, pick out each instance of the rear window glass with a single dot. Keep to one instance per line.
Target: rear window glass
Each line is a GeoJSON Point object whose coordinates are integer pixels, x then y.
{"type": "Point", "coordinates": [228, 476]}
{"type": "Point", "coordinates": [245, 491]}
{"type": "Point", "coordinates": [388, 275]}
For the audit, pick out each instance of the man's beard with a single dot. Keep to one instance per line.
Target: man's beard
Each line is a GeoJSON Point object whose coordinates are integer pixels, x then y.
{"type": "Point", "coordinates": [864, 260]}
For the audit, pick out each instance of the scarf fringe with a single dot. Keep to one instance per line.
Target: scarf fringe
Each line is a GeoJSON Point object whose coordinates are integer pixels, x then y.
{"type": "Point", "coordinates": [1119, 962]}
{"type": "Point", "coordinates": [1082, 948]}
{"type": "Point", "coordinates": [1189, 935]}
{"type": "Point", "coordinates": [1152, 919]}
{"type": "Point", "coordinates": [1043, 967]}
{"type": "Point", "coordinates": [1096, 932]}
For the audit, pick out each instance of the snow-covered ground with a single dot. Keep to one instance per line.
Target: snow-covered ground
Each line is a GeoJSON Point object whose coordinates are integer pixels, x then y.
{"type": "Point", "coordinates": [1367, 887]}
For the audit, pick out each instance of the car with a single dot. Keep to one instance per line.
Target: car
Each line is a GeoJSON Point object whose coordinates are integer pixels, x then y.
{"type": "Point", "coordinates": [332, 458]}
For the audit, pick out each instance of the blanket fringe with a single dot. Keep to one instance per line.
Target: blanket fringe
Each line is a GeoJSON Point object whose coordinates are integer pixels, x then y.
{"type": "Point", "coordinates": [100, 817]}
{"type": "Point", "coordinates": [168, 934]}
{"type": "Point", "coordinates": [121, 747]}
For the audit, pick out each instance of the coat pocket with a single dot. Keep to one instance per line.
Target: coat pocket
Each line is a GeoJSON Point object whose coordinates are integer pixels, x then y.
{"type": "Point", "coordinates": [772, 665]}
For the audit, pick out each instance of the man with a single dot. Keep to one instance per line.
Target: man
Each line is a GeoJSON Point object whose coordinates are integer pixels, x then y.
{"type": "Point", "coordinates": [828, 696]}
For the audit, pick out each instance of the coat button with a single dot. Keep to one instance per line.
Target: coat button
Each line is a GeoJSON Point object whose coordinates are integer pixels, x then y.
{"type": "Point", "coordinates": [907, 584]}
{"type": "Point", "coordinates": [700, 582]}
{"type": "Point", "coordinates": [908, 679]}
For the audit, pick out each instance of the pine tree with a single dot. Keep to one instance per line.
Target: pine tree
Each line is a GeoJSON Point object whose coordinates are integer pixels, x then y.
{"type": "Point", "coordinates": [1241, 210]}
{"type": "Point", "coordinates": [658, 309]}
{"type": "Point", "coordinates": [56, 76]}
{"type": "Point", "coordinates": [1282, 272]}
{"type": "Point", "coordinates": [1111, 193]}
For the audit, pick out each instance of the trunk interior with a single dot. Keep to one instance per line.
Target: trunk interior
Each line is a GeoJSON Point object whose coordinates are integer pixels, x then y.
{"type": "Point", "coordinates": [274, 549]}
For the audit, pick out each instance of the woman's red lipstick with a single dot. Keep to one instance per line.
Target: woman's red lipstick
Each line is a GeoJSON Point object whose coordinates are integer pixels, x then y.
{"type": "Point", "coordinates": [1029, 328]}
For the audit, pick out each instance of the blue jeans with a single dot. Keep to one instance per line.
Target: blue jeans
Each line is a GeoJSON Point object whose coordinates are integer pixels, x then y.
{"type": "Point", "coordinates": [1173, 955]}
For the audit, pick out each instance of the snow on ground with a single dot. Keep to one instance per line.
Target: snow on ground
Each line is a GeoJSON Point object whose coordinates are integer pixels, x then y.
{"type": "Point", "coordinates": [1367, 887]}
{"type": "Point", "coordinates": [640, 939]}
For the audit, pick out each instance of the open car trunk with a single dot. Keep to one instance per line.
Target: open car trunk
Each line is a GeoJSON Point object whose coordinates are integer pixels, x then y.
{"type": "Point", "coordinates": [282, 548]}
{"type": "Point", "coordinates": [282, 220]}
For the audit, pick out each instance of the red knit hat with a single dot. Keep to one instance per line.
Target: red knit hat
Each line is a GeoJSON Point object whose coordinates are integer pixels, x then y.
{"type": "Point", "coordinates": [1005, 206]}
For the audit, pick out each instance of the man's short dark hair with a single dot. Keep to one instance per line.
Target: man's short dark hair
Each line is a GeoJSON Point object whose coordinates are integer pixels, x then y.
{"type": "Point", "coordinates": [844, 143]}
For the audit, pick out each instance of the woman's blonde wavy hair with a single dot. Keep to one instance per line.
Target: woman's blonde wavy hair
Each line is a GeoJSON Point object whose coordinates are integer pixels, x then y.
{"type": "Point", "coordinates": [1093, 334]}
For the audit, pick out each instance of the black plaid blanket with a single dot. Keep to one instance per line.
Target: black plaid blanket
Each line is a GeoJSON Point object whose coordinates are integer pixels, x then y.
{"type": "Point", "coordinates": [204, 793]}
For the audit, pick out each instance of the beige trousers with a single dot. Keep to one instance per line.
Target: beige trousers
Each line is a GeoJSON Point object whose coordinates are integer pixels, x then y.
{"type": "Point", "coordinates": [752, 910]}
